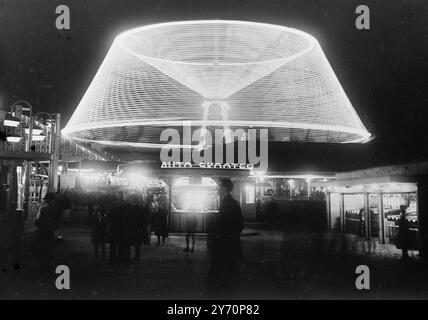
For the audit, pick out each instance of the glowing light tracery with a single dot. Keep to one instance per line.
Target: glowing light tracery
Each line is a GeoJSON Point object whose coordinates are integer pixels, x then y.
{"type": "Point", "coordinates": [160, 75]}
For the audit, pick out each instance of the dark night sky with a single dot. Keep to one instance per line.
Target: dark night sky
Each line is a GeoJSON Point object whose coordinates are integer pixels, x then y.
{"type": "Point", "coordinates": [383, 70]}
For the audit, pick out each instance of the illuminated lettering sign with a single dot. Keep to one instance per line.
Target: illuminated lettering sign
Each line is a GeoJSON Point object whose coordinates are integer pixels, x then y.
{"type": "Point", "coordinates": [206, 165]}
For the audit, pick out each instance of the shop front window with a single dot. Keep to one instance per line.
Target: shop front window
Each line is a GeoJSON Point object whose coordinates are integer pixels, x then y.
{"type": "Point", "coordinates": [194, 197]}
{"type": "Point", "coordinates": [391, 208]}
{"type": "Point", "coordinates": [354, 214]}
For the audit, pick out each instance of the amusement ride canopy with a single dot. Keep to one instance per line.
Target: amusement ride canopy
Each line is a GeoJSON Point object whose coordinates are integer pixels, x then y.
{"type": "Point", "coordinates": [215, 74]}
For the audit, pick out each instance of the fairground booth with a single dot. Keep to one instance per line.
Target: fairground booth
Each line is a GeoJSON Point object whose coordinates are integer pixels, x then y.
{"type": "Point", "coordinates": [188, 190]}
{"type": "Point", "coordinates": [366, 203]}
{"type": "Point", "coordinates": [194, 190]}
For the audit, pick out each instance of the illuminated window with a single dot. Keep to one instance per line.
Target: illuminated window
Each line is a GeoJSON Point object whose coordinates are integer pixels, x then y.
{"type": "Point", "coordinates": [250, 194]}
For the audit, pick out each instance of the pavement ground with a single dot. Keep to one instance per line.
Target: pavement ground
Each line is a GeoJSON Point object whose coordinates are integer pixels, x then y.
{"type": "Point", "coordinates": [275, 265]}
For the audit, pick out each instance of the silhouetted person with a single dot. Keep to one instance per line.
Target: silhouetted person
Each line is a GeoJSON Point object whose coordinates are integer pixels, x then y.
{"type": "Point", "coordinates": [362, 225]}
{"type": "Point", "coordinates": [92, 202]}
{"type": "Point", "coordinates": [161, 221]}
{"type": "Point", "coordinates": [67, 206]}
{"type": "Point", "coordinates": [147, 220]}
{"type": "Point", "coordinates": [259, 210]}
{"type": "Point", "coordinates": [226, 247]}
{"type": "Point", "coordinates": [59, 207]}
{"type": "Point", "coordinates": [138, 229]}
{"type": "Point", "coordinates": [45, 222]}
{"type": "Point", "coordinates": [230, 222]}
{"type": "Point", "coordinates": [272, 213]}
{"type": "Point", "coordinates": [403, 233]}
{"type": "Point", "coordinates": [12, 236]}
{"type": "Point", "coordinates": [124, 234]}
{"type": "Point", "coordinates": [116, 225]}
{"type": "Point", "coordinates": [191, 224]}
{"type": "Point", "coordinates": [98, 229]}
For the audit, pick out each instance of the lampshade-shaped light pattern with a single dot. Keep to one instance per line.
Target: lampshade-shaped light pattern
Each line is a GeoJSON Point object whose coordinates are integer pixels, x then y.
{"type": "Point", "coordinates": [264, 76]}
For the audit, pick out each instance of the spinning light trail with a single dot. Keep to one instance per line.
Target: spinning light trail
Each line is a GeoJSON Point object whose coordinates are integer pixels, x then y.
{"type": "Point", "coordinates": [215, 73]}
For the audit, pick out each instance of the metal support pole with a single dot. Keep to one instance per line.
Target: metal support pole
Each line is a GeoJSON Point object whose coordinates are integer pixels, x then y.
{"type": "Point", "coordinates": [422, 209]}
{"type": "Point", "coordinates": [53, 181]}
{"type": "Point", "coordinates": [30, 134]}
{"type": "Point", "coordinates": [170, 219]}
{"type": "Point", "coordinates": [381, 219]}
{"type": "Point", "coordinates": [28, 165]}
{"type": "Point", "coordinates": [9, 192]}
{"type": "Point", "coordinates": [203, 135]}
{"type": "Point", "coordinates": [367, 224]}
{"type": "Point", "coordinates": [342, 212]}
{"type": "Point", "coordinates": [226, 129]}
{"type": "Point", "coordinates": [328, 205]}
{"type": "Point", "coordinates": [51, 161]}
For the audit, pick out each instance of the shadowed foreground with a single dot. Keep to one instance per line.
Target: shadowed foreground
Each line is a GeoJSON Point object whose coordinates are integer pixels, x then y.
{"type": "Point", "coordinates": [275, 265]}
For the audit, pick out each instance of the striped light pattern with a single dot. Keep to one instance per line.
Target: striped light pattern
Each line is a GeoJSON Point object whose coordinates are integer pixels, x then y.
{"type": "Point", "coordinates": [160, 76]}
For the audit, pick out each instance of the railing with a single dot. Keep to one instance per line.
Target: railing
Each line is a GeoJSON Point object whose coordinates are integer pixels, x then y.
{"type": "Point", "coordinates": [68, 148]}
{"type": "Point", "coordinates": [74, 149]}
{"type": "Point", "coordinates": [355, 223]}
{"type": "Point", "coordinates": [43, 146]}
{"type": "Point", "coordinates": [354, 226]}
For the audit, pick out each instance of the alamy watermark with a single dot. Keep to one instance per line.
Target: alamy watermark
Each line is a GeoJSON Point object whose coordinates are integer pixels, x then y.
{"type": "Point", "coordinates": [209, 153]}
{"type": "Point", "coordinates": [363, 20]}
{"type": "Point", "coordinates": [63, 19]}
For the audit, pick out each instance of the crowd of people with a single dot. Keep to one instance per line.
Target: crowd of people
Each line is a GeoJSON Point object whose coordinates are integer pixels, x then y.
{"type": "Point", "coordinates": [120, 220]}
{"type": "Point", "coordinates": [125, 221]}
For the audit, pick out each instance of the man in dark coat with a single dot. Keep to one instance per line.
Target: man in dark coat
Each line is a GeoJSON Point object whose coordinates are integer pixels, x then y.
{"type": "Point", "coordinates": [226, 248]}
{"type": "Point", "coordinates": [46, 223]}
{"type": "Point", "coordinates": [230, 222]}
{"type": "Point", "coordinates": [118, 228]}
{"type": "Point", "coordinates": [137, 227]}
{"type": "Point", "coordinates": [161, 220]}
{"type": "Point", "coordinates": [403, 233]}
{"type": "Point", "coordinates": [98, 224]}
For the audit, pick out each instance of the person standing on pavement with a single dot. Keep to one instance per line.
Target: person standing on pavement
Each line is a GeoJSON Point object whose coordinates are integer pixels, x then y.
{"type": "Point", "coordinates": [191, 224]}
{"type": "Point", "coordinates": [46, 224]}
{"type": "Point", "coordinates": [403, 233]}
{"type": "Point", "coordinates": [124, 234]}
{"type": "Point", "coordinates": [230, 221]}
{"type": "Point", "coordinates": [98, 225]}
{"type": "Point", "coordinates": [161, 221]}
{"type": "Point", "coordinates": [116, 226]}
{"type": "Point", "coordinates": [226, 248]}
{"type": "Point", "coordinates": [138, 229]}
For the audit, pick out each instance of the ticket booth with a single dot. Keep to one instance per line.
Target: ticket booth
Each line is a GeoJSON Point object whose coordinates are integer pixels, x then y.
{"type": "Point", "coordinates": [190, 191]}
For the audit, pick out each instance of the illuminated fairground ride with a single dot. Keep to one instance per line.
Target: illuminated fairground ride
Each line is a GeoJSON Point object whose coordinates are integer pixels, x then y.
{"type": "Point", "coordinates": [215, 74]}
